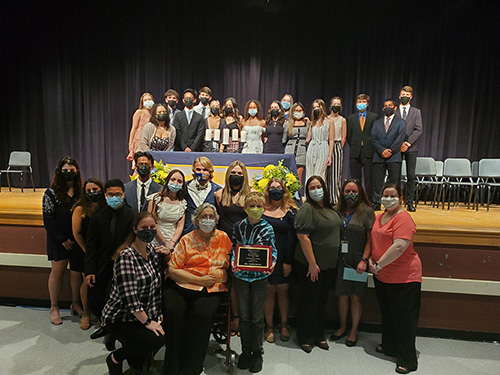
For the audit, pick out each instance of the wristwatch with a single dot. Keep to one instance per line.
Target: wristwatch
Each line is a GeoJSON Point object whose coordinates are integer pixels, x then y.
{"type": "Point", "coordinates": [364, 259]}
{"type": "Point", "coordinates": [147, 322]}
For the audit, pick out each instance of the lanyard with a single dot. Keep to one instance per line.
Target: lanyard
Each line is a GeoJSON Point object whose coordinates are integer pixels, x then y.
{"type": "Point", "coordinates": [346, 220]}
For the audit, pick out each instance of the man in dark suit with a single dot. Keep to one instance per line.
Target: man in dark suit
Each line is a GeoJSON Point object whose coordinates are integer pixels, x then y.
{"type": "Point", "coordinates": [189, 125]}
{"type": "Point", "coordinates": [359, 129]}
{"type": "Point", "coordinates": [137, 190]}
{"type": "Point", "coordinates": [409, 148]}
{"type": "Point", "coordinates": [388, 134]}
{"type": "Point", "coordinates": [172, 98]}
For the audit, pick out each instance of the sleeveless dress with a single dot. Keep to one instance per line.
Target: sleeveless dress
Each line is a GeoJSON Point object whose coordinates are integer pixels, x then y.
{"type": "Point", "coordinates": [137, 136]}
{"type": "Point", "coordinates": [254, 144]}
{"type": "Point", "coordinates": [296, 143]}
{"type": "Point", "coordinates": [159, 144]}
{"type": "Point", "coordinates": [233, 146]}
{"type": "Point", "coordinates": [229, 215]}
{"type": "Point", "coordinates": [317, 151]}
{"type": "Point", "coordinates": [334, 173]}
{"type": "Point", "coordinates": [274, 133]}
{"type": "Point", "coordinates": [212, 146]}
{"type": "Point", "coordinates": [168, 215]}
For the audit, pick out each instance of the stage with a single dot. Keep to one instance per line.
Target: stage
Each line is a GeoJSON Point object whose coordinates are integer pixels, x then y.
{"type": "Point", "coordinates": [459, 248]}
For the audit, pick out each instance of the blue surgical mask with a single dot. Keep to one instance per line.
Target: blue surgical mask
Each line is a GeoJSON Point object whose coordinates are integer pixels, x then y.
{"type": "Point", "coordinates": [114, 202]}
{"type": "Point", "coordinates": [361, 107]}
{"type": "Point", "coordinates": [252, 112]}
{"type": "Point", "coordinates": [201, 179]}
{"type": "Point", "coordinates": [173, 187]}
{"type": "Point", "coordinates": [285, 105]}
{"type": "Point", "coordinates": [317, 194]}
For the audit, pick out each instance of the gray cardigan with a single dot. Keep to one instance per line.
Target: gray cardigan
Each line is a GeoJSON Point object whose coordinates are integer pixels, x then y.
{"type": "Point", "coordinates": [148, 131]}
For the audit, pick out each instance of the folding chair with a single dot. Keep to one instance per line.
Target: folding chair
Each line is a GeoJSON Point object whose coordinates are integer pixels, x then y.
{"type": "Point", "coordinates": [19, 162]}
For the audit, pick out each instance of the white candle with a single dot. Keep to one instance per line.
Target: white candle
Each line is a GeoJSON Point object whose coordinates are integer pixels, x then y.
{"type": "Point", "coordinates": [243, 136]}
{"type": "Point", "coordinates": [225, 136]}
{"type": "Point", "coordinates": [235, 135]}
{"type": "Point", "coordinates": [217, 135]}
{"type": "Point", "coordinates": [208, 134]}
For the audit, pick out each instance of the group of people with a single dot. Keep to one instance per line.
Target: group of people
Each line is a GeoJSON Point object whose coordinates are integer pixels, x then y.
{"type": "Point", "coordinates": [377, 145]}
{"type": "Point", "coordinates": [157, 260]}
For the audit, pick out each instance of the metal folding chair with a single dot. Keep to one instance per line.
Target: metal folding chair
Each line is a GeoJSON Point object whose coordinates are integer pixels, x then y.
{"type": "Point", "coordinates": [19, 162]}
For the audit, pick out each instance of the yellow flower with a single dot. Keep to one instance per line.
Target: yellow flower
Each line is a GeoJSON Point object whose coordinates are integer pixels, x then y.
{"type": "Point", "coordinates": [132, 178]}
{"type": "Point", "coordinates": [268, 168]}
{"type": "Point", "coordinates": [290, 177]}
{"type": "Point", "coordinates": [263, 183]}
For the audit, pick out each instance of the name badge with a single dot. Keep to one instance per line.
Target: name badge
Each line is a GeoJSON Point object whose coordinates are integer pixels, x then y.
{"type": "Point", "coordinates": [344, 247]}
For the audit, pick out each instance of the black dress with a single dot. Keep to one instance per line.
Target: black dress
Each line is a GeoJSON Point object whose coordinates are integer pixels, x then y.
{"type": "Point", "coordinates": [286, 240]}
{"type": "Point", "coordinates": [230, 215]}
{"type": "Point", "coordinates": [274, 134]}
{"type": "Point", "coordinates": [213, 146]}
{"type": "Point", "coordinates": [355, 233]}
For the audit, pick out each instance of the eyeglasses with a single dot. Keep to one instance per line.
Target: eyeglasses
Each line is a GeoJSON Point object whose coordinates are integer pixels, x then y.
{"type": "Point", "coordinates": [204, 217]}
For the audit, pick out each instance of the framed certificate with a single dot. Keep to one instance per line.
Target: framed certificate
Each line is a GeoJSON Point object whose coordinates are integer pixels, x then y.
{"type": "Point", "coordinates": [253, 258]}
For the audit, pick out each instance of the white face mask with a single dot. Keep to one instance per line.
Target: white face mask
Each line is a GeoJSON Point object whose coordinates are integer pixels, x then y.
{"type": "Point", "coordinates": [206, 225]}
{"type": "Point", "coordinates": [148, 104]}
{"type": "Point", "coordinates": [389, 202]}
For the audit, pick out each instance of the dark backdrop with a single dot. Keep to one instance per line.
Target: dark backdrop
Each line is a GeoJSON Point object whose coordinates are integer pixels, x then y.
{"type": "Point", "coordinates": [71, 73]}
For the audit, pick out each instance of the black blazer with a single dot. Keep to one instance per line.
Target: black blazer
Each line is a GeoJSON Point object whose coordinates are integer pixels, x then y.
{"type": "Point", "coordinates": [191, 135]}
{"type": "Point", "coordinates": [392, 140]}
{"type": "Point", "coordinates": [413, 127]}
{"type": "Point", "coordinates": [131, 194]}
{"type": "Point", "coordinates": [355, 136]}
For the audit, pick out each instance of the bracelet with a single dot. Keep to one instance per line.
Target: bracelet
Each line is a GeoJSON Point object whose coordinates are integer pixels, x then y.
{"type": "Point", "coordinates": [364, 259]}
{"type": "Point", "coordinates": [378, 266]}
{"type": "Point", "coordinates": [146, 323]}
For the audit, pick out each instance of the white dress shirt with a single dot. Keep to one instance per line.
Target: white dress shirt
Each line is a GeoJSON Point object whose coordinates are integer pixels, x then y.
{"type": "Point", "coordinates": [147, 184]}
{"type": "Point", "coordinates": [199, 108]}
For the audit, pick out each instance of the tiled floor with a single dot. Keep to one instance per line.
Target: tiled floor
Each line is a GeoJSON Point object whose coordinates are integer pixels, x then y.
{"type": "Point", "coordinates": [30, 345]}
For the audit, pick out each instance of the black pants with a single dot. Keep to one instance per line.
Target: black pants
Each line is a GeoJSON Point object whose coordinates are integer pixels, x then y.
{"type": "Point", "coordinates": [137, 342]}
{"type": "Point", "coordinates": [379, 169]}
{"type": "Point", "coordinates": [312, 304]}
{"type": "Point", "coordinates": [411, 184]}
{"type": "Point", "coordinates": [400, 310]}
{"type": "Point", "coordinates": [98, 295]}
{"type": "Point", "coordinates": [362, 166]}
{"type": "Point", "coordinates": [187, 324]}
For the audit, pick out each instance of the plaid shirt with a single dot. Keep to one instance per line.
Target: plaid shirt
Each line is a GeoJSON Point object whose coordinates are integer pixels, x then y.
{"type": "Point", "coordinates": [136, 287]}
{"type": "Point", "coordinates": [246, 233]}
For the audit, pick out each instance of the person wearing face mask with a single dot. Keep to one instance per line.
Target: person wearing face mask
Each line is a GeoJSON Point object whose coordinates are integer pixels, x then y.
{"type": "Point", "coordinates": [133, 312]}
{"type": "Point", "coordinates": [388, 134]}
{"type": "Point", "coordinates": [204, 98]}
{"type": "Point", "coordinates": [334, 172]}
{"type": "Point", "coordinates": [140, 118]}
{"type": "Point", "coordinates": [357, 219]}
{"type": "Point", "coordinates": [409, 148]}
{"type": "Point", "coordinates": [319, 142]}
{"type": "Point", "coordinates": [214, 122]}
{"type": "Point", "coordinates": [158, 134]}
{"type": "Point", "coordinates": [91, 200]}
{"type": "Point", "coordinates": [280, 213]}
{"type": "Point", "coordinates": [294, 136]}
{"type": "Point", "coordinates": [199, 190]}
{"type": "Point", "coordinates": [189, 125]}
{"type": "Point", "coordinates": [171, 100]}
{"type": "Point", "coordinates": [251, 286]}
{"type": "Point", "coordinates": [197, 280]}
{"type": "Point", "coordinates": [286, 103]}
{"type": "Point", "coordinates": [137, 191]}
{"type": "Point", "coordinates": [233, 119]}
{"type": "Point", "coordinates": [58, 199]}
{"type": "Point", "coordinates": [255, 126]}
{"type": "Point", "coordinates": [359, 129]}
{"type": "Point", "coordinates": [108, 229]}
{"type": "Point", "coordinates": [318, 228]}
{"type": "Point", "coordinates": [275, 120]}
{"type": "Point", "coordinates": [168, 208]}
{"type": "Point", "coordinates": [397, 273]}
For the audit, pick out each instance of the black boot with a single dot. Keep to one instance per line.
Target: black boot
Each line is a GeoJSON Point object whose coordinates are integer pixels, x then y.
{"type": "Point", "coordinates": [114, 368]}
{"type": "Point", "coordinates": [256, 365]}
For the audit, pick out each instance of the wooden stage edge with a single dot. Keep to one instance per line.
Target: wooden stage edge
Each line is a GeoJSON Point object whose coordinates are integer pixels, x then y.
{"type": "Point", "coordinates": [458, 226]}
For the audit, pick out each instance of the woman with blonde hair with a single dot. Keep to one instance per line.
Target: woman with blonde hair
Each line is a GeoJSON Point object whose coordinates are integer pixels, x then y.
{"type": "Point", "coordinates": [294, 136]}
{"type": "Point", "coordinates": [280, 213]}
{"type": "Point", "coordinates": [140, 118]}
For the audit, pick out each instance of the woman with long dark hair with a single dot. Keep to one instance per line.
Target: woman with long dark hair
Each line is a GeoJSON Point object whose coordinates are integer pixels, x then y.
{"type": "Point", "coordinates": [91, 200]}
{"type": "Point", "coordinates": [233, 119]}
{"type": "Point", "coordinates": [254, 125]}
{"type": "Point", "coordinates": [158, 134]}
{"type": "Point", "coordinates": [318, 228]}
{"type": "Point", "coordinates": [58, 200]}
{"type": "Point", "coordinates": [275, 120]}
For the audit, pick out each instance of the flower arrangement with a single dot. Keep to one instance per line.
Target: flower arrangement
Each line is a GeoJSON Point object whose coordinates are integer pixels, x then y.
{"type": "Point", "coordinates": [292, 182]}
{"type": "Point", "coordinates": [158, 174]}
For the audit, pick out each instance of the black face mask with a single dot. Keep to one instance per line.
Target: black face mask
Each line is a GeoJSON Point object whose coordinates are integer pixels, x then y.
{"type": "Point", "coordinates": [146, 235]}
{"type": "Point", "coordinates": [404, 100]}
{"type": "Point", "coordinates": [94, 196]}
{"type": "Point", "coordinates": [235, 180]}
{"type": "Point", "coordinates": [316, 113]}
{"type": "Point", "coordinates": [143, 170]}
{"type": "Point", "coordinates": [214, 110]}
{"type": "Point", "coordinates": [351, 198]}
{"type": "Point", "coordinates": [275, 112]}
{"type": "Point", "coordinates": [204, 101]}
{"type": "Point", "coordinates": [171, 103]}
{"type": "Point", "coordinates": [188, 102]}
{"type": "Point", "coordinates": [276, 194]}
{"type": "Point", "coordinates": [335, 108]}
{"type": "Point", "coordinates": [162, 116]}
{"type": "Point", "coordinates": [388, 111]}
{"type": "Point", "coordinates": [228, 110]}
{"type": "Point", "coordinates": [68, 176]}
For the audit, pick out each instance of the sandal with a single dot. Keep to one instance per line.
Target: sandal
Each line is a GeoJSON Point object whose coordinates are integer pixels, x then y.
{"type": "Point", "coordinates": [55, 317]}
{"type": "Point", "coordinates": [402, 370]}
{"type": "Point", "coordinates": [75, 310]}
{"type": "Point", "coordinates": [85, 322]}
{"type": "Point", "coordinates": [269, 335]}
{"type": "Point", "coordinates": [284, 333]}
{"type": "Point", "coordinates": [307, 348]}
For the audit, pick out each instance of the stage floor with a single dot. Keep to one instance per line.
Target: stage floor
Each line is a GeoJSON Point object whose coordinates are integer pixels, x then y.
{"type": "Point", "coordinates": [459, 225]}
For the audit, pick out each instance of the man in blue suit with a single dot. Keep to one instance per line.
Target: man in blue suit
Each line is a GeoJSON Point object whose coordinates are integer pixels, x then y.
{"type": "Point", "coordinates": [388, 134]}
{"type": "Point", "coordinates": [136, 191]}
